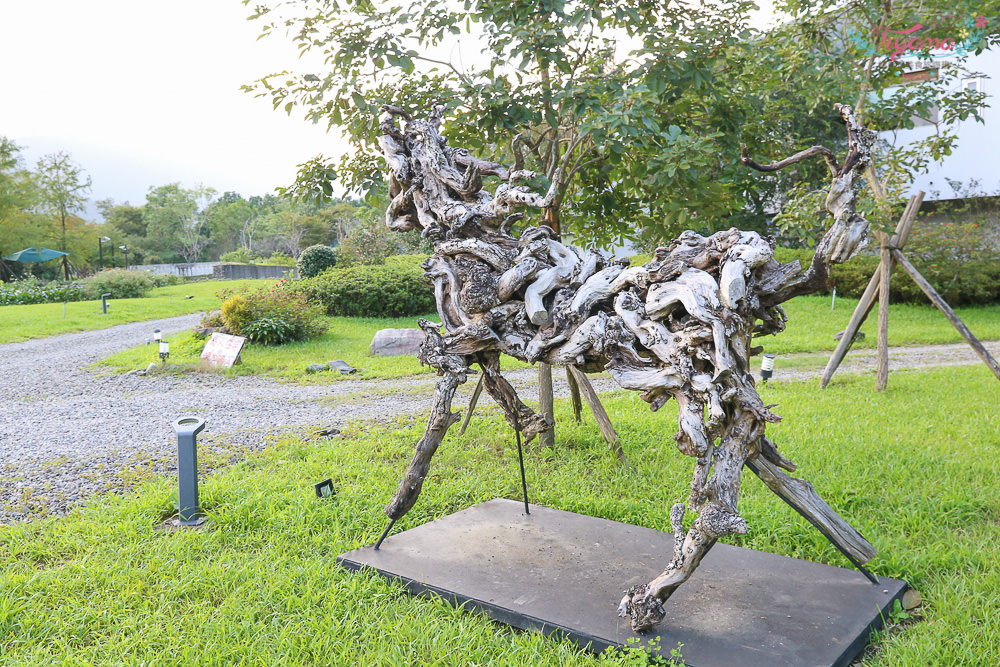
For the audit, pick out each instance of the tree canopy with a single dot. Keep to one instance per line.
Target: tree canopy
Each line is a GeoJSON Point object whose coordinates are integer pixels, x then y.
{"type": "Point", "coordinates": [635, 110]}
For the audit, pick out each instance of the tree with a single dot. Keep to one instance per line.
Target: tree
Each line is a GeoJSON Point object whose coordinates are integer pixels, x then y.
{"type": "Point", "coordinates": [853, 48]}
{"type": "Point", "coordinates": [175, 220]}
{"type": "Point", "coordinates": [19, 227]}
{"type": "Point", "coordinates": [554, 95]}
{"type": "Point", "coordinates": [62, 193]}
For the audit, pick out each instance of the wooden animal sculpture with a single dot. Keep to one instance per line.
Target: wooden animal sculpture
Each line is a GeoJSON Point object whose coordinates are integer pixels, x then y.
{"type": "Point", "coordinates": [678, 327]}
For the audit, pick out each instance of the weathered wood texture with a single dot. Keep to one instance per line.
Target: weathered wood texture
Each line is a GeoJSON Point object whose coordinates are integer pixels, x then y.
{"type": "Point", "coordinates": [680, 326]}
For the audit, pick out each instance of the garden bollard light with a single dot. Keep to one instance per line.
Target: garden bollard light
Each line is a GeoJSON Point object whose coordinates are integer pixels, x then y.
{"type": "Point", "coordinates": [188, 511]}
{"type": "Point", "coordinates": [766, 368]}
{"type": "Point", "coordinates": [104, 302]}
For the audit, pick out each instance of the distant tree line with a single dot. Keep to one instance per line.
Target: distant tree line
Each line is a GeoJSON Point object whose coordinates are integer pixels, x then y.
{"type": "Point", "coordinates": [42, 206]}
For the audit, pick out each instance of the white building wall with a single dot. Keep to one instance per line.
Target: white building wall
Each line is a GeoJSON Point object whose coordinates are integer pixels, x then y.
{"type": "Point", "coordinates": [977, 155]}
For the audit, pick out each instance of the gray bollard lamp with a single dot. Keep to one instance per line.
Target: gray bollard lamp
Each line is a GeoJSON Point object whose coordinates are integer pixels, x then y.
{"type": "Point", "coordinates": [188, 511]}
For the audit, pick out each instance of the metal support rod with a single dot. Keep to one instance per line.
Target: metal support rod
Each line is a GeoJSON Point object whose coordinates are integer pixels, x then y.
{"type": "Point", "coordinates": [520, 458]}
{"type": "Point", "coordinates": [186, 428]}
{"type": "Point", "coordinates": [385, 533]}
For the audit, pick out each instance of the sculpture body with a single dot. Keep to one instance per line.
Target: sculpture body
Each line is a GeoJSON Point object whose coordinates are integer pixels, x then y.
{"type": "Point", "coordinates": [678, 327]}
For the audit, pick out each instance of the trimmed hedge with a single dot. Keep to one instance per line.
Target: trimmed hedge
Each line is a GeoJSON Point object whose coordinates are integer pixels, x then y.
{"type": "Point", "coordinates": [395, 290]}
{"type": "Point", "coordinates": [960, 282]}
{"type": "Point", "coordinates": [316, 259]}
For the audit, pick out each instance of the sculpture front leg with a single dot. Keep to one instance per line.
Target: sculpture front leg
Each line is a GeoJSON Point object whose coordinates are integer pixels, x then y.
{"type": "Point", "coordinates": [519, 416]}
{"type": "Point", "coordinates": [440, 420]}
{"type": "Point", "coordinates": [453, 370]}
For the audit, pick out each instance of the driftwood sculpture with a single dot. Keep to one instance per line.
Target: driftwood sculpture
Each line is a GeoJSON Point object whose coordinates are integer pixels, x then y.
{"type": "Point", "coordinates": [678, 327]}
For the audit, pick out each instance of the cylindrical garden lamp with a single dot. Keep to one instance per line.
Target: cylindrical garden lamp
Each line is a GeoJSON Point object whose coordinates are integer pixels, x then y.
{"type": "Point", "coordinates": [766, 368]}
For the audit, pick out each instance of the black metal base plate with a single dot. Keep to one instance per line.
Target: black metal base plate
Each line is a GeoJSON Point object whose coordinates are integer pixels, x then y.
{"type": "Point", "coordinates": [564, 573]}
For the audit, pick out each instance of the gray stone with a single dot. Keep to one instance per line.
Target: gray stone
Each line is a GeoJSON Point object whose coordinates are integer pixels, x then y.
{"type": "Point", "coordinates": [394, 342]}
{"type": "Point", "coordinates": [316, 368]}
{"type": "Point", "coordinates": [342, 366]}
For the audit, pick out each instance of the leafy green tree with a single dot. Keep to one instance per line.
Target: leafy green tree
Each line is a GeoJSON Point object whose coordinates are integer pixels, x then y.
{"type": "Point", "coordinates": [19, 227]}
{"type": "Point", "coordinates": [599, 126]}
{"type": "Point", "coordinates": [125, 223]}
{"type": "Point", "coordinates": [62, 187]}
{"type": "Point", "coordinates": [175, 221]}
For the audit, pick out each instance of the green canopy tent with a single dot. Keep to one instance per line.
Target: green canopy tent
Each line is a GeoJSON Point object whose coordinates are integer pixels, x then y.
{"type": "Point", "coordinates": [35, 255]}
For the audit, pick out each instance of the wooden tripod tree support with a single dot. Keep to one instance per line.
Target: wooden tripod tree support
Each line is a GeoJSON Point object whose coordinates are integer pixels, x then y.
{"type": "Point", "coordinates": [679, 327]}
{"type": "Point", "coordinates": [878, 288]}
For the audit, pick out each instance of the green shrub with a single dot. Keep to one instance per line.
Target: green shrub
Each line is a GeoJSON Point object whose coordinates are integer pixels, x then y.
{"type": "Point", "coordinates": [958, 280]}
{"type": "Point", "coordinates": [315, 259]}
{"type": "Point", "coordinates": [238, 256]}
{"type": "Point", "coordinates": [120, 283]}
{"type": "Point", "coordinates": [279, 259]}
{"type": "Point", "coordinates": [29, 291]}
{"type": "Point", "coordinates": [394, 290]}
{"type": "Point", "coordinates": [369, 243]}
{"type": "Point", "coordinates": [272, 315]}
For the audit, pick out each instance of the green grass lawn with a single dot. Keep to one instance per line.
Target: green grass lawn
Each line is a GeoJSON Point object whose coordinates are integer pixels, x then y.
{"type": "Point", "coordinates": [914, 468]}
{"type": "Point", "coordinates": [347, 339]}
{"type": "Point", "coordinates": [46, 319]}
{"type": "Point", "coordinates": [812, 324]}
{"type": "Point", "coordinates": [811, 327]}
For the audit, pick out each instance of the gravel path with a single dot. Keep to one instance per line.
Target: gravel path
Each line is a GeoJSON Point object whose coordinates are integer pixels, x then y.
{"type": "Point", "coordinates": [68, 431]}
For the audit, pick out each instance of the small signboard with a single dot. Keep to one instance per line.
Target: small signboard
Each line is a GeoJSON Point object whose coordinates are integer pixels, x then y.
{"type": "Point", "coordinates": [223, 350]}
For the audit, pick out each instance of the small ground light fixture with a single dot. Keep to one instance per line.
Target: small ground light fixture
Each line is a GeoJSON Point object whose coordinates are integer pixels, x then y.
{"type": "Point", "coordinates": [157, 336]}
{"type": "Point", "coordinates": [325, 489]}
{"type": "Point", "coordinates": [766, 368]}
{"type": "Point", "coordinates": [164, 351]}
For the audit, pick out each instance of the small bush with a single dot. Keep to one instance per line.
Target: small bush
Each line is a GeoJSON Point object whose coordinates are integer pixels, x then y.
{"type": "Point", "coordinates": [369, 291]}
{"type": "Point", "coordinates": [238, 256]}
{"type": "Point", "coordinates": [272, 316]}
{"type": "Point", "coordinates": [279, 259]}
{"type": "Point", "coordinates": [30, 291]}
{"type": "Point", "coordinates": [368, 244]}
{"type": "Point", "coordinates": [315, 259]}
{"type": "Point", "coordinates": [120, 283]}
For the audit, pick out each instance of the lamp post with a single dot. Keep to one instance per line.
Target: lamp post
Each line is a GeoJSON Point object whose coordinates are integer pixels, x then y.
{"type": "Point", "coordinates": [100, 250]}
{"type": "Point", "coordinates": [164, 351]}
{"type": "Point", "coordinates": [125, 250]}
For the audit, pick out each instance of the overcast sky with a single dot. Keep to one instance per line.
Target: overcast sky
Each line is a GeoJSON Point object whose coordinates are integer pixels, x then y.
{"type": "Point", "coordinates": [145, 93]}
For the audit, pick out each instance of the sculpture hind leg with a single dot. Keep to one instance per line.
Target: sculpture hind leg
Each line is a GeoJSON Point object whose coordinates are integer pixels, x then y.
{"type": "Point", "coordinates": [519, 416]}
{"type": "Point", "coordinates": [453, 370]}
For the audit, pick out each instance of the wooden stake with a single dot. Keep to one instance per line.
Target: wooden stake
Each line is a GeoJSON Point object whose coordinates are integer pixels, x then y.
{"type": "Point", "coordinates": [867, 301]}
{"type": "Point", "coordinates": [594, 403]}
{"type": "Point", "coordinates": [472, 404]}
{"type": "Point", "coordinates": [884, 272]}
{"type": "Point", "coordinates": [545, 404]}
{"type": "Point", "coordinates": [574, 393]}
{"type": "Point", "coordinates": [948, 312]}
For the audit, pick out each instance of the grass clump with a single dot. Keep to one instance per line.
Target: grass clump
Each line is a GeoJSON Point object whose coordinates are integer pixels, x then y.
{"type": "Point", "coordinates": [913, 468]}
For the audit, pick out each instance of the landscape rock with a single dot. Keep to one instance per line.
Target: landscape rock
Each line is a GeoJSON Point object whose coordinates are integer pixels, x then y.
{"type": "Point", "coordinates": [394, 342]}
{"type": "Point", "coordinates": [342, 366]}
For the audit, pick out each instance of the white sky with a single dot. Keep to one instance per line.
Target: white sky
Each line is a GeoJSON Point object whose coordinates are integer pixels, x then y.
{"type": "Point", "coordinates": [143, 94]}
